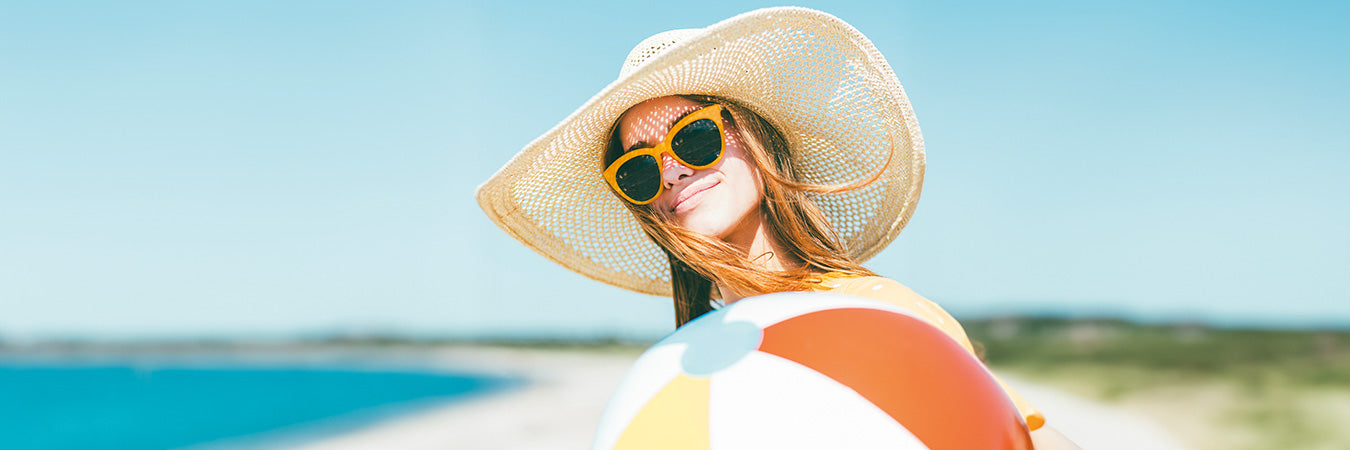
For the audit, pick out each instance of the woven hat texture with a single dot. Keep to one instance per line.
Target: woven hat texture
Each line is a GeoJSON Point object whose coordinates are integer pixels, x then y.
{"type": "Point", "coordinates": [814, 77]}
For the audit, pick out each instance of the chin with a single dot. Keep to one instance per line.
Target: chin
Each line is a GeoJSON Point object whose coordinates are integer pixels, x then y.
{"type": "Point", "coordinates": [713, 224]}
{"type": "Point", "coordinates": [718, 216]}
{"type": "Point", "coordinates": [716, 232]}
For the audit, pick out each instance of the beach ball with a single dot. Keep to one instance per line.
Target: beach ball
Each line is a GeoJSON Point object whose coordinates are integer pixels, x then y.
{"type": "Point", "coordinates": [809, 370]}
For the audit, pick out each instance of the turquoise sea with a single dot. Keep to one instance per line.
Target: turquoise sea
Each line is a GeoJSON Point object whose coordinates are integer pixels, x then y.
{"type": "Point", "coordinates": [135, 405]}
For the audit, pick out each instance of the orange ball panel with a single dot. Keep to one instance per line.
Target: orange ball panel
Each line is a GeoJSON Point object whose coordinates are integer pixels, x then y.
{"type": "Point", "coordinates": [908, 368]}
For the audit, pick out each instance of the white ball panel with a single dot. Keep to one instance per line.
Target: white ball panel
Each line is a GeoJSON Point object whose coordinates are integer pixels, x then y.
{"type": "Point", "coordinates": [769, 402]}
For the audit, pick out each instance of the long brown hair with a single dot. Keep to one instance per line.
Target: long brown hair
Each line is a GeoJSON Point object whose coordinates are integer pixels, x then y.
{"type": "Point", "coordinates": [794, 221]}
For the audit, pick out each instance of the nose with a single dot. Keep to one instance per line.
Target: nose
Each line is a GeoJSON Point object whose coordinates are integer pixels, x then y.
{"type": "Point", "coordinates": [672, 171]}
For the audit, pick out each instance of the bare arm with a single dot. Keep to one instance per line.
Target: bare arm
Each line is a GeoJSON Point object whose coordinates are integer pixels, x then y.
{"type": "Point", "coordinates": [1048, 438]}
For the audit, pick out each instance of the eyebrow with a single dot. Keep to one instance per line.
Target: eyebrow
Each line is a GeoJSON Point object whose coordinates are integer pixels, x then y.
{"type": "Point", "coordinates": [645, 144]}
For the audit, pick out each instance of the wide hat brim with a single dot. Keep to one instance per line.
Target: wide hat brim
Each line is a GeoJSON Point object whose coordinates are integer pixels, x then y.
{"type": "Point", "coordinates": [814, 77]}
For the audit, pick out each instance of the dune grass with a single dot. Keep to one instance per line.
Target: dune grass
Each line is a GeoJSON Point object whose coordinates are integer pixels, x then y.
{"type": "Point", "coordinates": [1214, 388]}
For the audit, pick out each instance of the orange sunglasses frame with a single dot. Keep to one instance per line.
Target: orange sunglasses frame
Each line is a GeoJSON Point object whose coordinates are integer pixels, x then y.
{"type": "Point", "coordinates": [713, 113]}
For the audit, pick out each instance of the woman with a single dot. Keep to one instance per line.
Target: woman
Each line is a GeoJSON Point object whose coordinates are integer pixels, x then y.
{"type": "Point", "coordinates": [770, 152]}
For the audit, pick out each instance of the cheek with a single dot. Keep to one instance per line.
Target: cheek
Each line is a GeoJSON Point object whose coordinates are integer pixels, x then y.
{"type": "Point", "coordinates": [746, 191]}
{"type": "Point", "coordinates": [737, 166]}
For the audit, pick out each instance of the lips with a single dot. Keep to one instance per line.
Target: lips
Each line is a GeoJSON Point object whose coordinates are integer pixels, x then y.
{"type": "Point", "coordinates": [690, 197]}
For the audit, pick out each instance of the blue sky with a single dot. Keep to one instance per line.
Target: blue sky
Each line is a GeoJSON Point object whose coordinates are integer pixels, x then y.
{"type": "Point", "coordinates": [252, 168]}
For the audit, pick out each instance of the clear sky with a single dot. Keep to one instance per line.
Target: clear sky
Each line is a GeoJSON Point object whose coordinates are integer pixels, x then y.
{"type": "Point", "coordinates": [261, 168]}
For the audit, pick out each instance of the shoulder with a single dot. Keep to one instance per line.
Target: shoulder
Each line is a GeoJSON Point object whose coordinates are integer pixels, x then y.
{"type": "Point", "coordinates": [891, 291]}
{"type": "Point", "coordinates": [894, 293]}
{"type": "Point", "coordinates": [871, 287]}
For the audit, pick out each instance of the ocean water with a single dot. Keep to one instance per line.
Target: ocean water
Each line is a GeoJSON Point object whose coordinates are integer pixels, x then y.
{"type": "Point", "coordinates": [112, 405]}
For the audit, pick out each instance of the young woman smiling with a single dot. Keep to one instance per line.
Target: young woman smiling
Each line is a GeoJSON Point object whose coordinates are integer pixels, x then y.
{"type": "Point", "coordinates": [774, 151]}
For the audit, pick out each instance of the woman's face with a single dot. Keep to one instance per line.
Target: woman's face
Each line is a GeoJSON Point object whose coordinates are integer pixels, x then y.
{"type": "Point", "coordinates": [714, 201]}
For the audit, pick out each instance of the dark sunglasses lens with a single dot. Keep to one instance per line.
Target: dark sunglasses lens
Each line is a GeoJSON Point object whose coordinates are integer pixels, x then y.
{"type": "Point", "coordinates": [699, 143]}
{"type": "Point", "coordinates": [639, 178]}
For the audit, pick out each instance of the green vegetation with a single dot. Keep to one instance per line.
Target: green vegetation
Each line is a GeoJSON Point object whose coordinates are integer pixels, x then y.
{"type": "Point", "coordinates": [1213, 387]}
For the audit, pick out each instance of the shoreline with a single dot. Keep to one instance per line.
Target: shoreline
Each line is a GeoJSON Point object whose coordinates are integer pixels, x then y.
{"type": "Point", "coordinates": [556, 402]}
{"type": "Point", "coordinates": [560, 406]}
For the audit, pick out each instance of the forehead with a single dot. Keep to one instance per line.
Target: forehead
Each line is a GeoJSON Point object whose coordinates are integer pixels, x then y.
{"type": "Point", "coordinates": [649, 121]}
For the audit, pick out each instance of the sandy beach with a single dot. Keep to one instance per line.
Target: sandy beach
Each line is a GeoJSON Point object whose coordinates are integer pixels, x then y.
{"type": "Point", "coordinates": [568, 390]}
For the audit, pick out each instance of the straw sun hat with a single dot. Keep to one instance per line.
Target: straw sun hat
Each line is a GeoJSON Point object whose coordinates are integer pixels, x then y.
{"type": "Point", "coordinates": [814, 77]}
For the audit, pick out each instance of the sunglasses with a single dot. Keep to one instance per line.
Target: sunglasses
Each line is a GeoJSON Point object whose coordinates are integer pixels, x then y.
{"type": "Point", "coordinates": [695, 141]}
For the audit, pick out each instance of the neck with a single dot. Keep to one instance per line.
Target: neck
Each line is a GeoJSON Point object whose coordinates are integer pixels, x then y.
{"type": "Point", "coordinates": [761, 248]}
